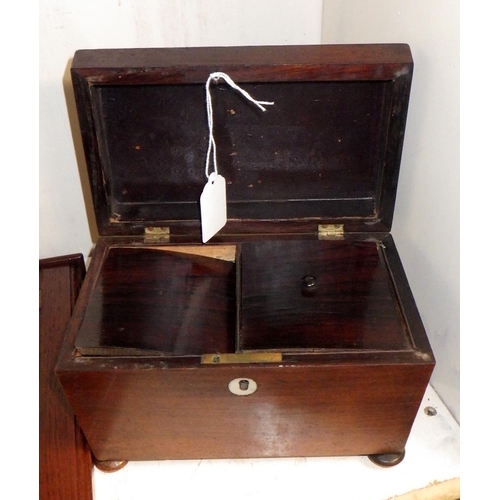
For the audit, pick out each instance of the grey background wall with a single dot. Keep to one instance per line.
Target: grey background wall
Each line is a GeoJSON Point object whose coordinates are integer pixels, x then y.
{"type": "Point", "coordinates": [426, 225]}
{"type": "Point", "coordinates": [68, 25]}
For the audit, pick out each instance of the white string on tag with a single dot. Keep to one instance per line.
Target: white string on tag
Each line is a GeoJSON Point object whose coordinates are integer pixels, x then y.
{"type": "Point", "coordinates": [213, 206]}
{"type": "Point", "coordinates": [210, 116]}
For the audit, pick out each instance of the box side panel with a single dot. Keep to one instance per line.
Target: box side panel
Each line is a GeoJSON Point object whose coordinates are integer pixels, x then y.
{"type": "Point", "coordinates": [406, 300]}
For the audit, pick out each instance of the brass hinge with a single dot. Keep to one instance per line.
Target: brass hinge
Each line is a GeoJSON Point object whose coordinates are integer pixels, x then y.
{"type": "Point", "coordinates": [330, 231]}
{"type": "Point", "coordinates": [156, 234]}
{"type": "Point", "coordinates": [241, 357]}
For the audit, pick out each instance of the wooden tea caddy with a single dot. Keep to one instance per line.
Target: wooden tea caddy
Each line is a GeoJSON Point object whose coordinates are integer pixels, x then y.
{"type": "Point", "coordinates": [293, 332]}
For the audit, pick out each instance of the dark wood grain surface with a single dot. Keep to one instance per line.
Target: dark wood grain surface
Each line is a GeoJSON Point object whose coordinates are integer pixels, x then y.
{"type": "Point", "coordinates": [65, 464]}
{"type": "Point", "coordinates": [317, 143]}
{"type": "Point", "coordinates": [257, 63]}
{"type": "Point", "coordinates": [351, 304]}
{"type": "Point", "coordinates": [146, 299]}
{"type": "Point", "coordinates": [328, 150]}
{"type": "Point", "coordinates": [353, 396]}
{"type": "Point", "coordinates": [157, 411]}
{"type": "Point", "coordinates": [354, 359]}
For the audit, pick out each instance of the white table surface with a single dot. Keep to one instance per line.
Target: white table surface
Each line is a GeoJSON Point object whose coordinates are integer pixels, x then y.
{"type": "Point", "coordinates": [430, 470]}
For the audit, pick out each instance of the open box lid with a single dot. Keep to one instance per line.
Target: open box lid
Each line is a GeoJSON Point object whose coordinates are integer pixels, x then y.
{"type": "Point", "coordinates": [327, 152]}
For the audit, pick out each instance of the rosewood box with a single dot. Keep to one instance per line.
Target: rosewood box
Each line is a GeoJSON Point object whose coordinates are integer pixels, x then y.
{"type": "Point", "coordinates": [293, 331]}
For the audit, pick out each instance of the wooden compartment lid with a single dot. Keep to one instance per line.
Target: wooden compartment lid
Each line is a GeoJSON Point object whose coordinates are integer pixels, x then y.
{"type": "Point", "coordinates": [328, 151]}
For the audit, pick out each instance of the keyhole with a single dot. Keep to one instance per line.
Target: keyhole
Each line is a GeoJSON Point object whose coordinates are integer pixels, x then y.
{"type": "Point", "coordinates": [242, 386]}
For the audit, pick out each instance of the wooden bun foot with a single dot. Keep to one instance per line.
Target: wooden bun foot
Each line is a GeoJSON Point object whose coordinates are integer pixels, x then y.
{"type": "Point", "coordinates": [109, 465]}
{"type": "Point", "coordinates": [387, 459]}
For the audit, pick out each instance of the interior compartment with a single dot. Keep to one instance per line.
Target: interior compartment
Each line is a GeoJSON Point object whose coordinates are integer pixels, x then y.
{"type": "Point", "coordinates": [350, 305]}
{"type": "Point", "coordinates": [162, 300]}
{"type": "Point", "coordinates": [266, 295]}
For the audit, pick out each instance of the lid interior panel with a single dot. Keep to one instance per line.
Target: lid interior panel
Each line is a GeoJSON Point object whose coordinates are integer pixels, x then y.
{"type": "Point", "coordinates": [327, 151]}
{"type": "Point", "coordinates": [318, 148]}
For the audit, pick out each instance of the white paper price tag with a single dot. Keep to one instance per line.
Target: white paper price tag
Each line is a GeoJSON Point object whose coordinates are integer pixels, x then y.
{"type": "Point", "coordinates": [213, 206]}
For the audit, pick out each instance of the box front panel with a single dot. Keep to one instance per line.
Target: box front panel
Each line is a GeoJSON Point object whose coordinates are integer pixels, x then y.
{"type": "Point", "coordinates": [295, 410]}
